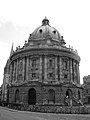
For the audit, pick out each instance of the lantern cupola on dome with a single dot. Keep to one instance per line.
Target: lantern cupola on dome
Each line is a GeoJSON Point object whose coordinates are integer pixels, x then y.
{"type": "Point", "coordinates": [45, 30]}
{"type": "Point", "coordinates": [45, 21]}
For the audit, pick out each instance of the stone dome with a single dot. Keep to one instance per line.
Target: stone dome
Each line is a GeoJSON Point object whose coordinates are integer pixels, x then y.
{"type": "Point", "coordinates": [44, 30]}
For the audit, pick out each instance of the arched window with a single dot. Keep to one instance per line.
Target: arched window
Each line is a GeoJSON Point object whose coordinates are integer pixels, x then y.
{"type": "Point", "coordinates": [32, 96]}
{"type": "Point", "coordinates": [17, 96]}
{"type": "Point", "coordinates": [51, 96]}
{"type": "Point", "coordinates": [88, 100]}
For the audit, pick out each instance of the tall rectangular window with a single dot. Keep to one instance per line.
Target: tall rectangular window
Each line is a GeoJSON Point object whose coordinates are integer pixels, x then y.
{"type": "Point", "coordinates": [34, 63]}
{"type": "Point", "coordinates": [65, 65]}
{"type": "Point", "coordinates": [33, 75]}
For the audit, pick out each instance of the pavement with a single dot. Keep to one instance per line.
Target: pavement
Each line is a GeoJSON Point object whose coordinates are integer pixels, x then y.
{"type": "Point", "coordinates": [9, 114]}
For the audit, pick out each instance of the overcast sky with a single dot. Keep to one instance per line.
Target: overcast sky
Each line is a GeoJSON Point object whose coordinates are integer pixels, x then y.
{"type": "Point", "coordinates": [19, 18]}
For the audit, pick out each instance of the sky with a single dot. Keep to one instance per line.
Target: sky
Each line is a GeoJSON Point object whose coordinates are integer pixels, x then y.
{"type": "Point", "coordinates": [19, 18]}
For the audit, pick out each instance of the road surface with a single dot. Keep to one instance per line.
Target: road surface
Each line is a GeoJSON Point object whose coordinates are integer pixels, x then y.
{"type": "Point", "coordinates": [9, 114]}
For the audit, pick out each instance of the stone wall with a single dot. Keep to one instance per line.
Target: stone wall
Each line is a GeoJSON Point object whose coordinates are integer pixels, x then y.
{"type": "Point", "coordinates": [42, 93]}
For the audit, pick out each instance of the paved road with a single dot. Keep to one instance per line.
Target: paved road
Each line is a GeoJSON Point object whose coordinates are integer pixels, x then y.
{"type": "Point", "coordinates": [8, 114]}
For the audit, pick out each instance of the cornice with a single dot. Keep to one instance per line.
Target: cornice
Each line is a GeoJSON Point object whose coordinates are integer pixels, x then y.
{"type": "Point", "coordinates": [45, 51]}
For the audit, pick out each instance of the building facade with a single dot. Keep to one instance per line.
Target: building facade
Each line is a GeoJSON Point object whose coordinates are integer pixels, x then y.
{"type": "Point", "coordinates": [0, 94]}
{"type": "Point", "coordinates": [86, 89]}
{"type": "Point", "coordinates": [44, 71]}
{"type": "Point", "coordinates": [6, 80]}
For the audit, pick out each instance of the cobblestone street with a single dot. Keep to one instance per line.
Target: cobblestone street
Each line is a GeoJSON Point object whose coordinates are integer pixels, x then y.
{"type": "Point", "coordinates": [8, 114]}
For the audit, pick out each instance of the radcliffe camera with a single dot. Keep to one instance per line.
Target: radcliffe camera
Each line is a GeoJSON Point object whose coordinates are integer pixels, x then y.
{"type": "Point", "coordinates": [42, 79]}
{"type": "Point", "coordinates": [44, 74]}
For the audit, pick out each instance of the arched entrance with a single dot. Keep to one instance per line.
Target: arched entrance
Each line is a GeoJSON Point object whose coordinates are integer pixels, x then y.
{"type": "Point", "coordinates": [32, 96]}
{"type": "Point", "coordinates": [88, 100]}
{"type": "Point", "coordinates": [68, 97]}
{"type": "Point", "coordinates": [79, 95]}
{"type": "Point", "coordinates": [17, 96]}
{"type": "Point", "coordinates": [51, 95]}
{"type": "Point", "coordinates": [8, 96]}
{"type": "Point", "coordinates": [69, 94]}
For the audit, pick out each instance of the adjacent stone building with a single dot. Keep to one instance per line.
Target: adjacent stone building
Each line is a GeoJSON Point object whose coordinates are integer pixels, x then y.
{"type": "Point", "coordinates": [0, 94]}
{"type": "Point", "coordinates": [44, 71]}
{"type": "Point", "coordinates": [6, 80]}
{"type": "Point", "coordinates": [86, 90]}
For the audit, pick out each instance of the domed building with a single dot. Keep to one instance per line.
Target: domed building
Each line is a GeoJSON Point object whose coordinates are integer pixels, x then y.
{"type": "Point", "coordinates": [44, 71]}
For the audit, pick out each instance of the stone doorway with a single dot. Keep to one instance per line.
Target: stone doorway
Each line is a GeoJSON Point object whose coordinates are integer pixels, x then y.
{"type": "Point", "coordinates": [69, 94]}
{"type": "Point", "coordinates": [79, 95]}
{"type": "Point", "coordinates": [32, 96]}
{"type": "Point", "coordinates": [51, 99]}
{"type": "Point", "coordinates": [68, 98]}
{"type": "Point", "coordinates": [8, 96]}
{"type": "Point", "coordinates": [17, 96]}
{"type": "Point", "coordinates": [88, 100]}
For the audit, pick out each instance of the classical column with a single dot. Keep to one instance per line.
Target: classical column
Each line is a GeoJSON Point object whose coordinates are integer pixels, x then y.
{"type": "Point", "coordinates": [71, 71]}
{"type": "Point", "coordinates": [27, 68]}
{"type": "Point", "coordinates": [23, 71]}
{"type": "Point", "coordinates": [17, 70]}
{"type": "Point", "coordinates": [58, 65]}
{"type": "Point", "coordinates": [60, 69]}
{"type": "Point", "coordinates": [78, 73]}
{"type": "Point", "coordinates": [14, 72]}
{"type": "Point", "coordinates": [45, 69]}
{"type": "Point", "coordinates": [10, 73]}
{"type": "Point", "coordinates": [56, 70]}
{"type": "Point", "coordinates": [30, 66]}
{"type": "Point", "coordinates": [40, 69]}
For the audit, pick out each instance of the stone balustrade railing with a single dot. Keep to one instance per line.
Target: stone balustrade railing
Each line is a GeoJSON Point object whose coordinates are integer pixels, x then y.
{"type": "Point", "coordinates": [47, 46]}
